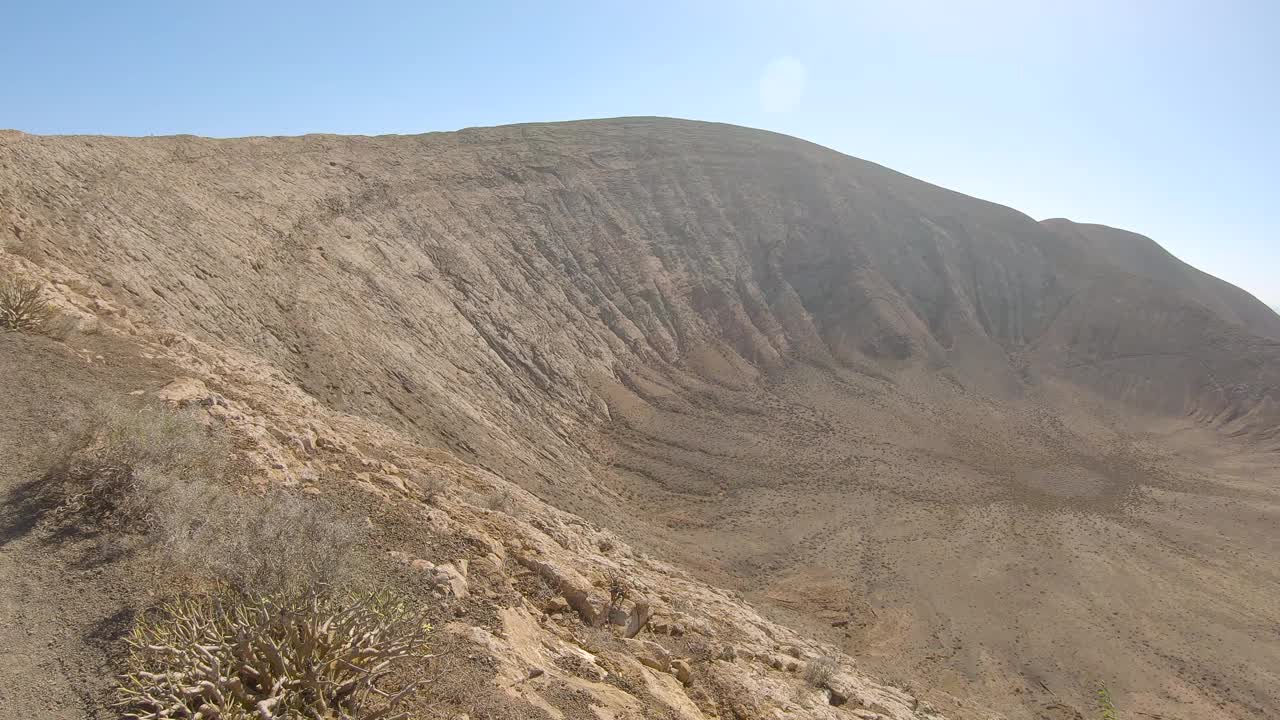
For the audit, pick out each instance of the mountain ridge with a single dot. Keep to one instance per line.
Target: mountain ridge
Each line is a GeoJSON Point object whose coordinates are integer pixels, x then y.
{"type": "Point", "coordinates": [769, 354]}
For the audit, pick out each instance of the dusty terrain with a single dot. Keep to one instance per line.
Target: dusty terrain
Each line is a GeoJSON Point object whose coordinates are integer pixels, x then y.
{"type": "Point", "coordinates": [999, 461]}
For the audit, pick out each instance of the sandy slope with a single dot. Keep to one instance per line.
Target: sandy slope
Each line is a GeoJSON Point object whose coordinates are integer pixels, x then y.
{"type": "Point", "coordinates": [1019, 459]}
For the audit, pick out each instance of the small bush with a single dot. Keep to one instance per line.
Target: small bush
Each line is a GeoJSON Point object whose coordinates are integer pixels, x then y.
{"type": "Point", "coordinates": [238, 657]}
{"type": "Point", "coordinates": [120, 460]}
{"type": "Point", "coordinates": [434, 488]}
{"type": "Point", "coordinates": [61, 327]}
{"type": "Point", "coordinates": [273, 544]}
{"type": "Point", "coordinates": [161, 475]}
{"type": "Point", "coordinates": [819, 671]}
{"type": "Point", "coordinates": [617, 588]}
{"type": "Point", "coordinates": [501, 501]}
{"type": "Point", "coordinates": [21, 307]}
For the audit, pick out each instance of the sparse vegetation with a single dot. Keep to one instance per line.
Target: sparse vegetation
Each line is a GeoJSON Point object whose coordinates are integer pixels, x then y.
{"type": "Point", "coordinates": [61, 327]}
{"type": "Point", "coordinates": [1105, 705]}
{"type": "Point", "coordinates": [501, 501]}
{"type": "Point", "coordinates": [160, 475]}
{"type": "Point", "coordinates": [276, 543]}
{"type": "Point", "coordinates": [119, 461]}
{"type": "Point", "coordinates": [617, 588]}
{"type": "Point", "coordinates": [238, 657]}
{"type": "Point", "coordinates": [434, 487]}
{"type": "Point", "coordinates": [819, 671]}
{"type": "Point", "coordinates": [277, 638]}
{"type": "Point", "coordinates": [22, 309]}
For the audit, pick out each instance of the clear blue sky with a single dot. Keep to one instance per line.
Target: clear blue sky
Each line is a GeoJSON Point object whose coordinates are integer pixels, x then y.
{"type": "Point", "coordinates": [1159, 117]}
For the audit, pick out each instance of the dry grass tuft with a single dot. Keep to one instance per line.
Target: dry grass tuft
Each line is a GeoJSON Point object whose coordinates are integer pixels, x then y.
{"type": "Point", "coordinates": [502, 501]}
{"type": "Point", "coordinates": [819, 671]}
{"type": "Point", "coordinates": [119, 460]}
{"type": "Point", "coordinates": [237, 657]}
{"type": "Point", "coordinates": [162, 475]}
{"type": "Point", "coordinates": [272, 544]}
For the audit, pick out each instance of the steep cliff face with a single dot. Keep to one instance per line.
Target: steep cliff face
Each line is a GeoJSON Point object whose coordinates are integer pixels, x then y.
{"type": "Point", "coordinates": [805, 375]}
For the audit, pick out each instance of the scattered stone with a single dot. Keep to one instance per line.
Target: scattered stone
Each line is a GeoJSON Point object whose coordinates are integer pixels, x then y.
{"type": "Point", "coordinates": [682, 671]}
{"type": "Point", "coordinates": [836, 698]}
{"type": "Point", "coordinates": [451, 578]}
{"type": "Point", "coordinates": [650, 654]}
{"type": "Point", "coordinates": [667, 626]}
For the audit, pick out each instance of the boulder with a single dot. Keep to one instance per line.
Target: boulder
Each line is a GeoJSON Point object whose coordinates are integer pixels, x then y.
{"type": "Point", "coordinates": [451, 578]}
{"type": "Point", "coordinates": [650, 654]}
{"type": "Point", "coordinates": [682, 671]}
{"type": "Point", "coordinates": [591, 604]}
{"type": "Point", "coordinates": [632, 617]}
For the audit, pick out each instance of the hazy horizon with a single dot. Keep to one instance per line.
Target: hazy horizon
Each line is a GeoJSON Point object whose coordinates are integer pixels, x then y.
{"type": "Point", "coordinates": [1157, 118]}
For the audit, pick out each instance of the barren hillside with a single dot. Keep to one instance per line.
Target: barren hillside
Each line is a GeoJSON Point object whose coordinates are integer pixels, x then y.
{"type": "Point", "coordinates": [999, 460]}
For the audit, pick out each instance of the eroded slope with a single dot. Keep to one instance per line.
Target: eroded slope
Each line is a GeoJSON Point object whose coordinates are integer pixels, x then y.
{"type": "Point", "coordinates": [855, 396]}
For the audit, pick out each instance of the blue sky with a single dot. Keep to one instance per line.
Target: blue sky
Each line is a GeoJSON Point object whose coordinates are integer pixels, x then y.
{"type": "Point", "coordinates": [1159, 117]}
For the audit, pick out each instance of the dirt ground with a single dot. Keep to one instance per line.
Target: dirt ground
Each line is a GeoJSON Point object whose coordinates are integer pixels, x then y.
{"type": "Point", "coordinates": [1004, 552]}
{"type": "Point", "coordinates": [69, 594]}
{"type": "Point", "coordinates": [61, 615]}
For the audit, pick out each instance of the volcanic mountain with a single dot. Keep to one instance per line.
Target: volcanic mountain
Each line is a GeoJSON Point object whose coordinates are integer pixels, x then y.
{"type": "Point", "coordinates": [1002, 461]}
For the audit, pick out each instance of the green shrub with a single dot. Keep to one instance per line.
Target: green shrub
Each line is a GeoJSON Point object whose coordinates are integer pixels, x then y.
{"type": "Point", "coordinates": [238, 657]}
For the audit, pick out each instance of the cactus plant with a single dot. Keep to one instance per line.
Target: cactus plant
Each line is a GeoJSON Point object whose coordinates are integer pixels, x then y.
{"type": "Point", "coordinates": [236, 657]}
{"type": "Point", "coordinates": [21, 307]}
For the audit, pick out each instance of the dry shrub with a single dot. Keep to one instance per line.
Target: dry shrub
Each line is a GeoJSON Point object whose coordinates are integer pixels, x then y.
{"type": "Point", "coordinates": [434, 488]}
{"type": "Point", "coordinates": [161, 475]}
{"type": "Point", "coordinates": [273, 544]}
{"type": "Point", "coordinates": [819, 671]}
{"type": "Point", "coordinates": [238, 657]}
{"type": "Point", "coordinates": [278, 640]}
{"type": "Point", "coordinates": [617, 588]}
{"type": "Point", "coordinates": [502, 501]}
{"type": "Point", "coordinates": [119, 461]}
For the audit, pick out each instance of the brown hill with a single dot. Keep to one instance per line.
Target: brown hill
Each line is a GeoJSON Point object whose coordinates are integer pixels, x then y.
{"type": "Point", "coordinates": [1012, 460]}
